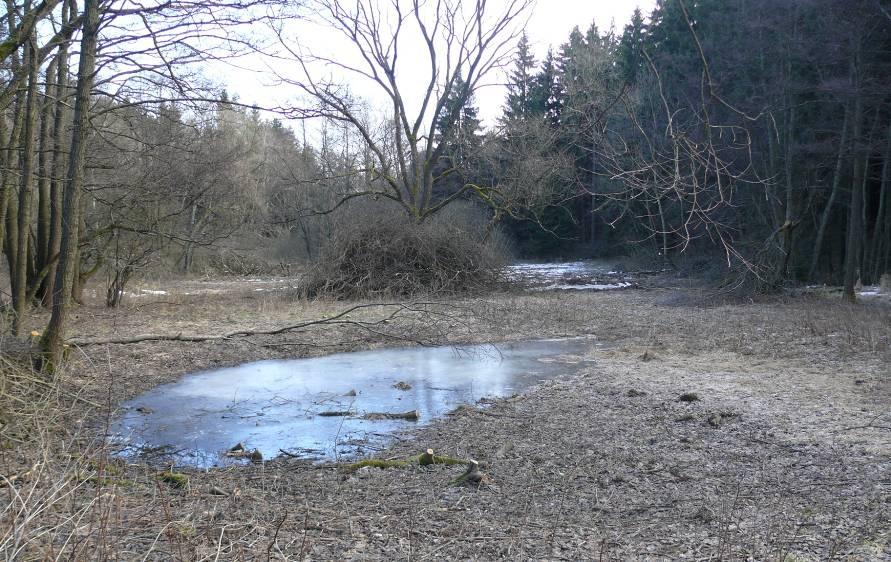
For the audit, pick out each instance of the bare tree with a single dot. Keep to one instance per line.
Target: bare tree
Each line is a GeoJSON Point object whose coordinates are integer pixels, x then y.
{"type": "Point", "coordinates": [23, 32]}
{"type": "Point", "coordinates": [71, 207]}
{"type": "Point", "coordinates": [464, 43]}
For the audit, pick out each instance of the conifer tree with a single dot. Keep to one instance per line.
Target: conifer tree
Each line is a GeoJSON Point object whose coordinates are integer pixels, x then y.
{"type": "Point", "coordinates": [631, 47]}
{"type": "Point", "coordinates": [521, 83]}
{"type": "Point", "coordinates": [545, 96]}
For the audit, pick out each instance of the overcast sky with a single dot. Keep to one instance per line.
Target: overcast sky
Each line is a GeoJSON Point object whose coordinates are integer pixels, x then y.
{"type": "Point", "coordinates": [549, 26]}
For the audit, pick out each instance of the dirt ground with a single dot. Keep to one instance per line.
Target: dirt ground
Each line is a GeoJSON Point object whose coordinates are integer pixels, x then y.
{"type": "Point", "coordinates": [785, 454]}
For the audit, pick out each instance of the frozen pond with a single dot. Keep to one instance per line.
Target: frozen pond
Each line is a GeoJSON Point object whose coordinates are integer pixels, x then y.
{"type": "Point", "coordinates": [319, 408]}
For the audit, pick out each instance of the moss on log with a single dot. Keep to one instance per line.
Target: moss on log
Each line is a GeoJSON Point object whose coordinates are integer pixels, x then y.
{"type": "Point", "coordinates": [175, 479]}
{"type": "Point", "coordinates": [427, 458]}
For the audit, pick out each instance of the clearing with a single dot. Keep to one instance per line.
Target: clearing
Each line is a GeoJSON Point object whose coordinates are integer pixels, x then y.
{"type": "Point", "coordinates": [780, 448]}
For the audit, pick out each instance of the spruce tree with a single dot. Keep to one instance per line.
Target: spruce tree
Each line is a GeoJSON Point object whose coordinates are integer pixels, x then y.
{"type": "Point", "coordinates": [521, 83]}
{"type": "Point", "coordinates": [631, 47]}
{"type": "Point", "coordinates": [546, 95]}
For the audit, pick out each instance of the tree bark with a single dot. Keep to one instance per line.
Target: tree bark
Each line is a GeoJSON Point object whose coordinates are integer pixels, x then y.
{"type": "Point", "coordinates": [71, 206]}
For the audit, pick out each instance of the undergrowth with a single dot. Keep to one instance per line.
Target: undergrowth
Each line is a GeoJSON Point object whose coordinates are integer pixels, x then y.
{"type": "Point", "coordinates": [398, 258]}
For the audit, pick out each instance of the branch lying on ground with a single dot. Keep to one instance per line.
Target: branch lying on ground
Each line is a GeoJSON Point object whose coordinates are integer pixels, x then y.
{"type": "Point", "coordinates": [337, 319]}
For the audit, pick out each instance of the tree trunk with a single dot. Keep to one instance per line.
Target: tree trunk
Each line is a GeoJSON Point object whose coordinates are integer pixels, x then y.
{"type": "Point", "coordinates": [26, 185]}
{"type": "Point", "coordinates": [56, 186]}
{"type": "Point", "coordinates": [833, 195]}
{"type": "Point", "coordinates": [789, 221]}
{"type": "Point", "coordinates": [882, 231]}
{"type": "Point", "coordinates": [43, 169]}
{"type": "Point", "coordinates": [8, 220]}
{"type": "Point", "coordinates": [866, 257]}
{"type": "Point", "coordinates": [71, 206]}
{"type": "Point", "coordinates": [189, 252]}
{"type": "Point", "coordinates": [4, 171]}
{"type": "Point", "coordinates": [855, 212]}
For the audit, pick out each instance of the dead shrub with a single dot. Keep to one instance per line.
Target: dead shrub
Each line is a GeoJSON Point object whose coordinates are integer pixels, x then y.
{"type": "Point", "coordinates": [394, 257]}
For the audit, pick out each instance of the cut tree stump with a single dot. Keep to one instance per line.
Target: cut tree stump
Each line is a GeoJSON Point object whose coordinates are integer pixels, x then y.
{"type": "Point", "coordinates": [471, 476]}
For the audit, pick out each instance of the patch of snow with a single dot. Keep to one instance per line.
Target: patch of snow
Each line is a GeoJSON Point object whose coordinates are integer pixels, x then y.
{"type": "Point", "coordinates": [588, 287]}
{"type": "Point", "coordinates": [870, 291]}
{"type": "Point", "coordinates": [144, 292]}
{"type": "Point", "coordinates": [549, 269]}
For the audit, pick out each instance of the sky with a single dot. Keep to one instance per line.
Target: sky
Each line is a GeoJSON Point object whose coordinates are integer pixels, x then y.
{"type": "Point", "coordinates": [549, 25]}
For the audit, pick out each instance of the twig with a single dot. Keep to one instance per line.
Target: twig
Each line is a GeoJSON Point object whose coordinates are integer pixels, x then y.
{"type": "Point", "coordinates": [275, 537]}
{"type": "Point", "coordinates": [869, 425]}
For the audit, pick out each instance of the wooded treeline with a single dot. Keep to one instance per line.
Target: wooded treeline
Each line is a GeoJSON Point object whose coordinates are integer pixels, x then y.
{"type": "Point", "coordinates": [754, 133]}
{"type": "Point", "coordinates": [102, 171]}
{"type": "Point", "coordinates": [757, 127]}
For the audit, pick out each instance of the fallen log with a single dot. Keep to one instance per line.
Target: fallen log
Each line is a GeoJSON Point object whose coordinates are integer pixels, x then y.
{"type": "Point", "coordinates": [412, 415]}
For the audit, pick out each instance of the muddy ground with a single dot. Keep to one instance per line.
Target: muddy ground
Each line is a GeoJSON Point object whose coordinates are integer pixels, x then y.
{"type": "Point", "coordinates": [784, 455]}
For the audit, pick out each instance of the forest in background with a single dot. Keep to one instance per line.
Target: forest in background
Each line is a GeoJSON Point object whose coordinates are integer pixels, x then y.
{"type": "Point", "coordinates": [757, 128]}
{"type": "Point", "coordinates": [753, 136]}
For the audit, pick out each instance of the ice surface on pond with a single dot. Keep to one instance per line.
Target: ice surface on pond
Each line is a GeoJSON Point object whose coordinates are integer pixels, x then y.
{"type": "Point", "coordinates": [275, 405]}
